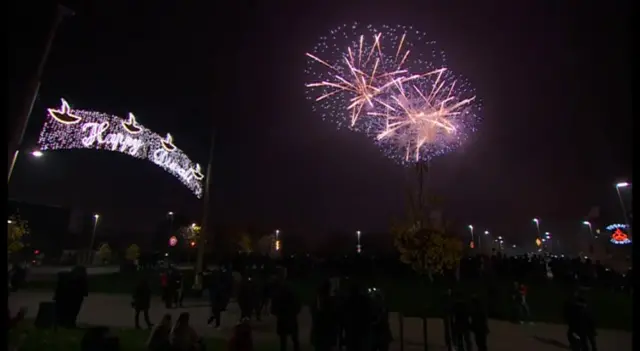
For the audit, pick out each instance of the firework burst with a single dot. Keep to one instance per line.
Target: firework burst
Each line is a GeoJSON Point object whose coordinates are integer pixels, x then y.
{"type": "Point", "coordinates": [394, 86]}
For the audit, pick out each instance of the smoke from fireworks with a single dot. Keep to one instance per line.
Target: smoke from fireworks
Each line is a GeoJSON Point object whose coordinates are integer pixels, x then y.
{"type": "Point", "coordinates": [394, 86]}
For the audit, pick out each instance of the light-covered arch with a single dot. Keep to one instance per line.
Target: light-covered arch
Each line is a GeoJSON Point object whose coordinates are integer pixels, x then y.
{"type": "Point", "coordinates": [67, 128]}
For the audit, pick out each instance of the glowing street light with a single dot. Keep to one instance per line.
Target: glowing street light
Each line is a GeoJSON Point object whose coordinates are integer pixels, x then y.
{"type": "Point", "coordinates": [9, 221]}
{"type": "Point", "coordinates": [486, 232]}
{"type": "Point", "coordinates": [37, 153]}
{"type": "Point", "coordinates": [96, 217]}
{"type": "Point", "coordinates": [170, 215]}
{"type": "Point", "coordinates": [537, 222]}
{"type": "Point", "coordinates": [471, 231]}
{"type": "Point", "coordinates": [588, 224]}
{"type": "Point", "coordinates": [624, 210]}
{"type": "Point", "coordinates": [277, 240]}
{"type": "Point", "coordinates": [358, 247]}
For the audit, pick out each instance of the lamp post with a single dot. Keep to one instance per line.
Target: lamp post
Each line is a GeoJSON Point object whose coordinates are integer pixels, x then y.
{"type": "Point", "coordinates": [588, 224]}
{"type": "Point", "coordinates": [537, 222]}
{"type": "Point", "coordinates": [471, 231]}
{"type": "Point", "coordinates": [93, 236]}
{"type": "Point", "coordinates": [277, 240]}
{"type": "Point", "coordinates": [624, 210]}
{"type": "Point", "coordinates": [205, 239]}
{"type": "Point", "coordinates": [591, 247]}
{"type": "Point", "coordinates": [358, 247]}
{"type": "Point", "coordinates": [15, 141]}
{"type": "Point", "coordinates": [34, 153]}
{"type": "Point", "coordinates": [547, 236]}
{"type": "Point", "coordinates": [170, 215]}
{"type": "Point", "coordinates": [486, 233]}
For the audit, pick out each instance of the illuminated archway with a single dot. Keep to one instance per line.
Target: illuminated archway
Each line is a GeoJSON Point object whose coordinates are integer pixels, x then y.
{"type": "Point", "coordinates": [67, 129]}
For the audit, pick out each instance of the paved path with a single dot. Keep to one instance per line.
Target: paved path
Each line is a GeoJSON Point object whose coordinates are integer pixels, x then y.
{"type": "Point", "coordinates": [115, 311]}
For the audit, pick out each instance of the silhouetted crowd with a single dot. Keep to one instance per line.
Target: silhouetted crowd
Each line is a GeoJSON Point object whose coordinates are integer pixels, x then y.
{"type": "Point", "coordinates": [344, 313]}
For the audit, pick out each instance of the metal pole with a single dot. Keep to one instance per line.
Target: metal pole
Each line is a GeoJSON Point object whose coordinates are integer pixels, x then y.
{"type": "Point", "coordinates": [93, 238]}
{"type": "Point", "coordinates": [624, 210]}
{"type": "Point", "coordinates": [205, 216]}
{"type": "Point", "coordinates": [32, 92]}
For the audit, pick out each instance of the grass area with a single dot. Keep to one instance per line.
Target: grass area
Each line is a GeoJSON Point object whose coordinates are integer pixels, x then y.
{"type": "Point", "coordinates": [32, 339]}
{"type": "Point", "coordinates": [612, 310]}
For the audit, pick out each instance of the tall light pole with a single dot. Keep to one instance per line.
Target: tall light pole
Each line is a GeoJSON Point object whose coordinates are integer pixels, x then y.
{"type": "Point", "coordinates": [358, 247]}
{"type": "Point", "coordinates": [588, 224]}
{"type": "Point", "coordinates": [471, 231]}
{"type": "Point", "coordinates": [277, 240]}
{"type": "Point", "coordinates": [486, 233]}
{"type": "Point", "coordinates": [537, 222]}
{"type": "Point", "coordinates": [205, 239]}
{"type": "Point", "coordinates": [93, 236]}
{"type": "Point", "coordinates": [624, 210]}
{"type": "Point", "coordinates": [34, 153]}
{"type": "Point", "coordinates": [15, 141]}
{"type": "Point", "coordinates": [170, 215]}
{"type": "Point", "coordinates": [547, 236]}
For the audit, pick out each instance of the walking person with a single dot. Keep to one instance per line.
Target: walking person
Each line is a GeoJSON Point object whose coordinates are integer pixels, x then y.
{"type": "Point", "coordinates": [324, 321]}
{"type": "Point", "coordinates": [519, 296]}
{"type": "Point", "coordinates": [581, 331]}
{"type": "Point", "coordinates": [447, 318]}
{"type": "Point", "coordinates": [381, 331]}
{"type": "Point", "coordinates": [357, 320]}
{"type": "Point", "coordinates": [479, 323]}
{"type": "Point", "coordinates": [246, 297]}
{"type": "Point", "coordinates": [141, 303]}
{"type": "Point", "coordinates": [177, 291]}
{"type": "Point", "coordinates": [461, 326]}
{"type": "Point", "coordinates": [164, 284]}
{"type": "Point", "coordinates": [216, 298]}
{"type": "Point", "coordinates": [286, 307]}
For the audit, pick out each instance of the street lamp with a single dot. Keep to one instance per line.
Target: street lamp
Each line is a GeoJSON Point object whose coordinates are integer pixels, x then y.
{"type": "Point", "coordinates": [277, 240]}
{"type": "Point", "coordinates": [93, 236]}
{"type": "Point", "coordinates": [32, 89]}
{"type": "Point", "coordinates": [358, 247]}
{"type": "Point", "coordinates": [537, 222]}
{"type": "Point", "coordinates": [170, 215]}
{"type": "Point", "coordinates": [624, 210]}
{"type": "Point", "coordinates": [9, 221]}
{"type": "Point", "coordinates": [471, 230]}
{"type": "Point", "coordinates": [588, 224]}
{"type": "Point", "coordinates": [36, 153]}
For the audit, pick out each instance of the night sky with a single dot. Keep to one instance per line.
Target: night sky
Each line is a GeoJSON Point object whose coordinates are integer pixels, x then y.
{"type": "Point", "coordinates": [554, 78]}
